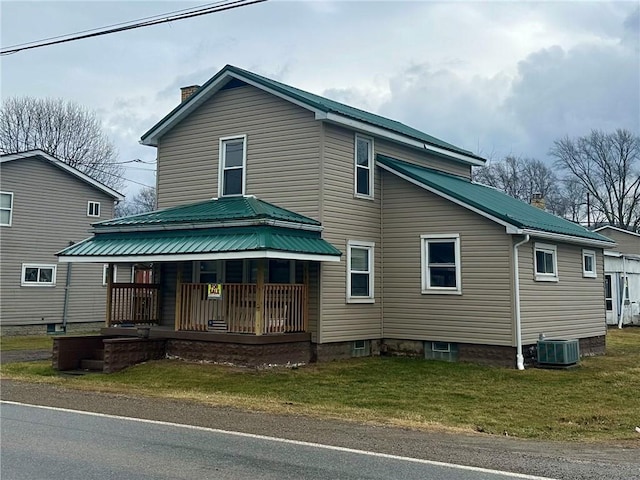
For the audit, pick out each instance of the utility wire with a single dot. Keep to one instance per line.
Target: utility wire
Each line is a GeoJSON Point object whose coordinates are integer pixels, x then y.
{"type": "Point", "coordinates": [219, 7]}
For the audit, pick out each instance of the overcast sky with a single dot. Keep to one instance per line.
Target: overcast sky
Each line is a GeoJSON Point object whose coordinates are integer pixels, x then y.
{"type": "Point", "coordinates": [496, 78]}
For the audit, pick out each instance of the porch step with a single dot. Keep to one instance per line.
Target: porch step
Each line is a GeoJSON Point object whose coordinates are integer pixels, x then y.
{"type": "Point", "coordinates": [91, 364]}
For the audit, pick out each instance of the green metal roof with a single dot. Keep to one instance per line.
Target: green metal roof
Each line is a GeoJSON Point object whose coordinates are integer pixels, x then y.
{"type": "Point", "coordinates": [202, 241]}
{"type": "Point", "coordinates": [491, 201]}
{"type": "Point", "coordinates": [221, 210]}
{"type": "Point", "coordinates": [320, 103]}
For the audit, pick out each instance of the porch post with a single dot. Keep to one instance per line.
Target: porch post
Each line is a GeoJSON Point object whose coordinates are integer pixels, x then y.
{"type": "Point", "coordinates": [305, 297]}
{"type": "Point", "coordinates": [259, 326]}
{"type": "Point", "coordinates": [107, 322]}
{"type": "Point", "coordinates": [178, 315]}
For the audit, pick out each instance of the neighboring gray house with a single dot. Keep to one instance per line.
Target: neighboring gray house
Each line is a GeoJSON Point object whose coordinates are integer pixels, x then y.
{"type": "Point", "coordinates": [622, 277]}
{"type": "Point", "coordinates": [367, 236]}
{"type": "Point", "coordinates": [44, 206]}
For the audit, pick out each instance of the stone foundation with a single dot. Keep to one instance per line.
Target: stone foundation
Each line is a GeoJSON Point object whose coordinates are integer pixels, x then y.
{"type": "Point", "coordinates": [326, 352]}
{"type": "Point", "coordinates": [592, 346]}
{"type": "Point", "coordinates": [261, 355]}
{"type": "Point", "coordinates": [41, 329]}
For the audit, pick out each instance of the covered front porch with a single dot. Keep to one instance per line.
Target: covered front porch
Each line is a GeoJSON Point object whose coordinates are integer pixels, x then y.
{"type": "Point", "coordinates": [234, 266]}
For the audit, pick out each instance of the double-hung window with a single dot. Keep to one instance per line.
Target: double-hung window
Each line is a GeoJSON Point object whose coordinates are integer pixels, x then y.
{"type": "Point", "coordinates": [233, 163]}
{"type": "Point", "coordinates": [364, 167]}
{"type": "Point", "coordinates": [360, 272]}
{"type": "Point", "coordinates": [6, 208]}
{"type": "Point", "coordinates": [440, 257]}
{"type": "Point", "coordinates": [38, 275]}
{"type": "Point", "coordinates": [546, 262]}
{"type": "Point", "coordinates": [589, 263]}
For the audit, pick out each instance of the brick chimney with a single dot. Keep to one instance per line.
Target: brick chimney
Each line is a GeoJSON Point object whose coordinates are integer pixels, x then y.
{"type": "Point", "coordinates": [537, 200]}
{"type": "Point", "coordinates": [186, 92]}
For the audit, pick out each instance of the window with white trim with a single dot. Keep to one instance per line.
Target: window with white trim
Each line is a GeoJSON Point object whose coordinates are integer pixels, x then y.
{"type": "Point", "coordinates": [546, 262]}
{"type": "Point", "coordinates": [364, 167]}
{"type": "Point", "coordinates": [105, 274]}
{"type": "Point", "coordinates": [589, 264]}
{"type": "Point", "coordinates": [6, 208]}
{"type": "Point", "coordinates": [360, 272]}
{"type": "Point", "coordinates": [36, 275]}
{"type": "Point", "coordinates": [93, 209]}
{"type": "Point", "coordinates": [440, 258]}
{"type": "Point", "coordinates": [233, 161]}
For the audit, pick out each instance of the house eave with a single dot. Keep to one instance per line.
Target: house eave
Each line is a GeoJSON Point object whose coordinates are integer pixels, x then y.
{"type": "Point", "coordinates": [199, 226]}
{"type": "Point", "coordinates": [559, 237]}
{"type": "Point", "coordinates": [237, 255]}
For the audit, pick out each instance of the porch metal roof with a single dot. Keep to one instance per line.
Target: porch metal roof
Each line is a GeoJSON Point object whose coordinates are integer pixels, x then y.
{"type": "Point", "coordinates": [199, 244]}
{"type": "Point", "coordinates": [491, 202]}
{"type": "Point", "coordinates": [220, 210]}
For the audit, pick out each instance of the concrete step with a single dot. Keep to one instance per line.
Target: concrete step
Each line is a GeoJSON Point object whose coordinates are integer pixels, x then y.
{"type": "Point", "coordinates": [91, 364]}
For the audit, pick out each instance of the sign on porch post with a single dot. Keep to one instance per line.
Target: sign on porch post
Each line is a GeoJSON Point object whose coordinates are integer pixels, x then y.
{"type": "Point", "coordinates": [214, 291]}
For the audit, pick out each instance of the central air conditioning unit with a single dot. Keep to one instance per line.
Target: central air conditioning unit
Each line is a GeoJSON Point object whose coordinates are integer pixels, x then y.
{"type": "Point", "coordinates": [562, 353]}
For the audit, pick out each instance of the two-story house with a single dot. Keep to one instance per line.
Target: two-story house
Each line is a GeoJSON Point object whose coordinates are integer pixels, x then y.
{"type": "Point", "coordinates": [297, 224]}
{"type": "Point", "coordinates": [46, 205]}
{"type": "Point", "coordinates": [622, 276]}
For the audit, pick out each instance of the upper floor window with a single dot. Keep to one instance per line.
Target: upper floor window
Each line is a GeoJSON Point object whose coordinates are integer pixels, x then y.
{"type": "Point", "coordinates": [38, 275]}
{"type": "Point", "coordinates": [360, 272]}
{"type": "Point", "coordinates": [233, 162]}
{"type": "Point", "coordinates": [6, 208]}
{"type": "Point", "coordinates": [364, 167]}
{"type": "Point", "coordinates": [93, 209]}
{"type": "Point", "coordinates": [441, 264]}
{"type": "Point", "coordinates": [589, 263]}
{"type": "Point", "coordinates": [546, 262]}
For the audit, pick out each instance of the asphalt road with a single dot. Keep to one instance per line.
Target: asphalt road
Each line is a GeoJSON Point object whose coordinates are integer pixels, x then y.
{"type": "Point", "coordinates": [61, 444]}
{"type": "Point", "coordinates": [546, 459]}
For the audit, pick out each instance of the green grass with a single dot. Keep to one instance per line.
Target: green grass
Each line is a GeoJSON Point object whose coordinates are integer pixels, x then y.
{"type": "Point", "coordinates": [31, 342]}
{"type": "Point", "coordinates": [597, 401]}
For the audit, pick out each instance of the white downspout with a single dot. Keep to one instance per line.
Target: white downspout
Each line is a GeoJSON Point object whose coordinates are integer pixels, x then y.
{"type": "Point", "coordinates": [516, 274]}
{"type": "Point", "coordinates": [624, 291]}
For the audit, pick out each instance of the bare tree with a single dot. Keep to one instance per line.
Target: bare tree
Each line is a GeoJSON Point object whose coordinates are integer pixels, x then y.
{"type": "Point", "coordinates": [143, 201]}
{"type": "Point", "coordinates": [522, 178]}
{"type": "Point", "coordinates": [608, 167]}
{"type": "Point", "coordinates": [64, 129]}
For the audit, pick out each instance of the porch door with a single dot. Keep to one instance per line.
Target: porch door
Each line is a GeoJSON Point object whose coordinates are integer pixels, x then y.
{"type": "Point", "coordinates": [610, 298]}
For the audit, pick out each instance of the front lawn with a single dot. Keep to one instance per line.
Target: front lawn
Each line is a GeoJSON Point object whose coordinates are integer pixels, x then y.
{"type": "Point", "coordinates": [596, 401]}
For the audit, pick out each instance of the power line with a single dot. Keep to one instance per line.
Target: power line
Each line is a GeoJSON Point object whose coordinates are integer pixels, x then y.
{"type": "Point", "coordinates": [217, 7]}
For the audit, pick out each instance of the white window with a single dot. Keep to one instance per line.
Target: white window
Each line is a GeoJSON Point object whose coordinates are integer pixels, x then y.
{"type": "Point", "coordinates": [93, 209]}
{"type": "Point", "coordinates": [38, 275]}
{"type": "Point", "coordinates": [6, 208]}
{"type": "Point", "coordinates": [364, 167]}
{"type": "Point", "coordinates": [360, 272]}
{"type": "Point", "coordinates": [233, 160]}
{"type": "Point", "coordinates": [440, 258]}
{"type": "Point", "coordinates": [105, 274]}
{"type": "Point", "coordinates": [546, 262]}
{"type": "Point", "coordinates": [589, 263]}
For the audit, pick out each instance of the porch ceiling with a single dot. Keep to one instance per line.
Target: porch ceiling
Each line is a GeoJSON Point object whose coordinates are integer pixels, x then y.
{"type": "Point", "coordinates": [201, 244]}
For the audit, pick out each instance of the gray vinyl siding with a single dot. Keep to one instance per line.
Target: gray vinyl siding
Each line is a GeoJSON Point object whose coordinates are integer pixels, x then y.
{"type": "Point", "coordinates": [573, 307]}
{"type": "Point", "coordinates": [282, 151]}
{"type": "Point", "coordinates": [424, 159]}
{"type": "Point", "coordinates": [49, 211]}
{"type": "Point", "coordinates": [627, 242]}
{"type": "Point", "coordinates": [347, 218]}
{"type": "Point", "coordinates": [483, 313]}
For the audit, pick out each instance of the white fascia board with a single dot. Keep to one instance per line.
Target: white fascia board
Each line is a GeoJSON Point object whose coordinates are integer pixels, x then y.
{"type": "Point", "coordinates": [202, 226]}
{"type": "Point", "coordinates": [559, 237]}
{"type": "Point", "coordinates": [203, 95]}
{"type": "Point", "coordinates": [617, 229]}
{"type": "Point", "coordinates": [68, 168]}
{"type": "Point", "coordinates": [198, 256]}
{"type": "Point", "coordinates": [509, 228]}
{"type": "Point", "coordinates": [396, 137]}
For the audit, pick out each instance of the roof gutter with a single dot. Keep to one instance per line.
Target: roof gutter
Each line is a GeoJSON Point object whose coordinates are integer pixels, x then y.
{"type": "Point", "coordinates": [569, 238]}
{"type": "Point", "coordinates": [396, 137]}
{"type": "Point", "coordinates": [516, 275]}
